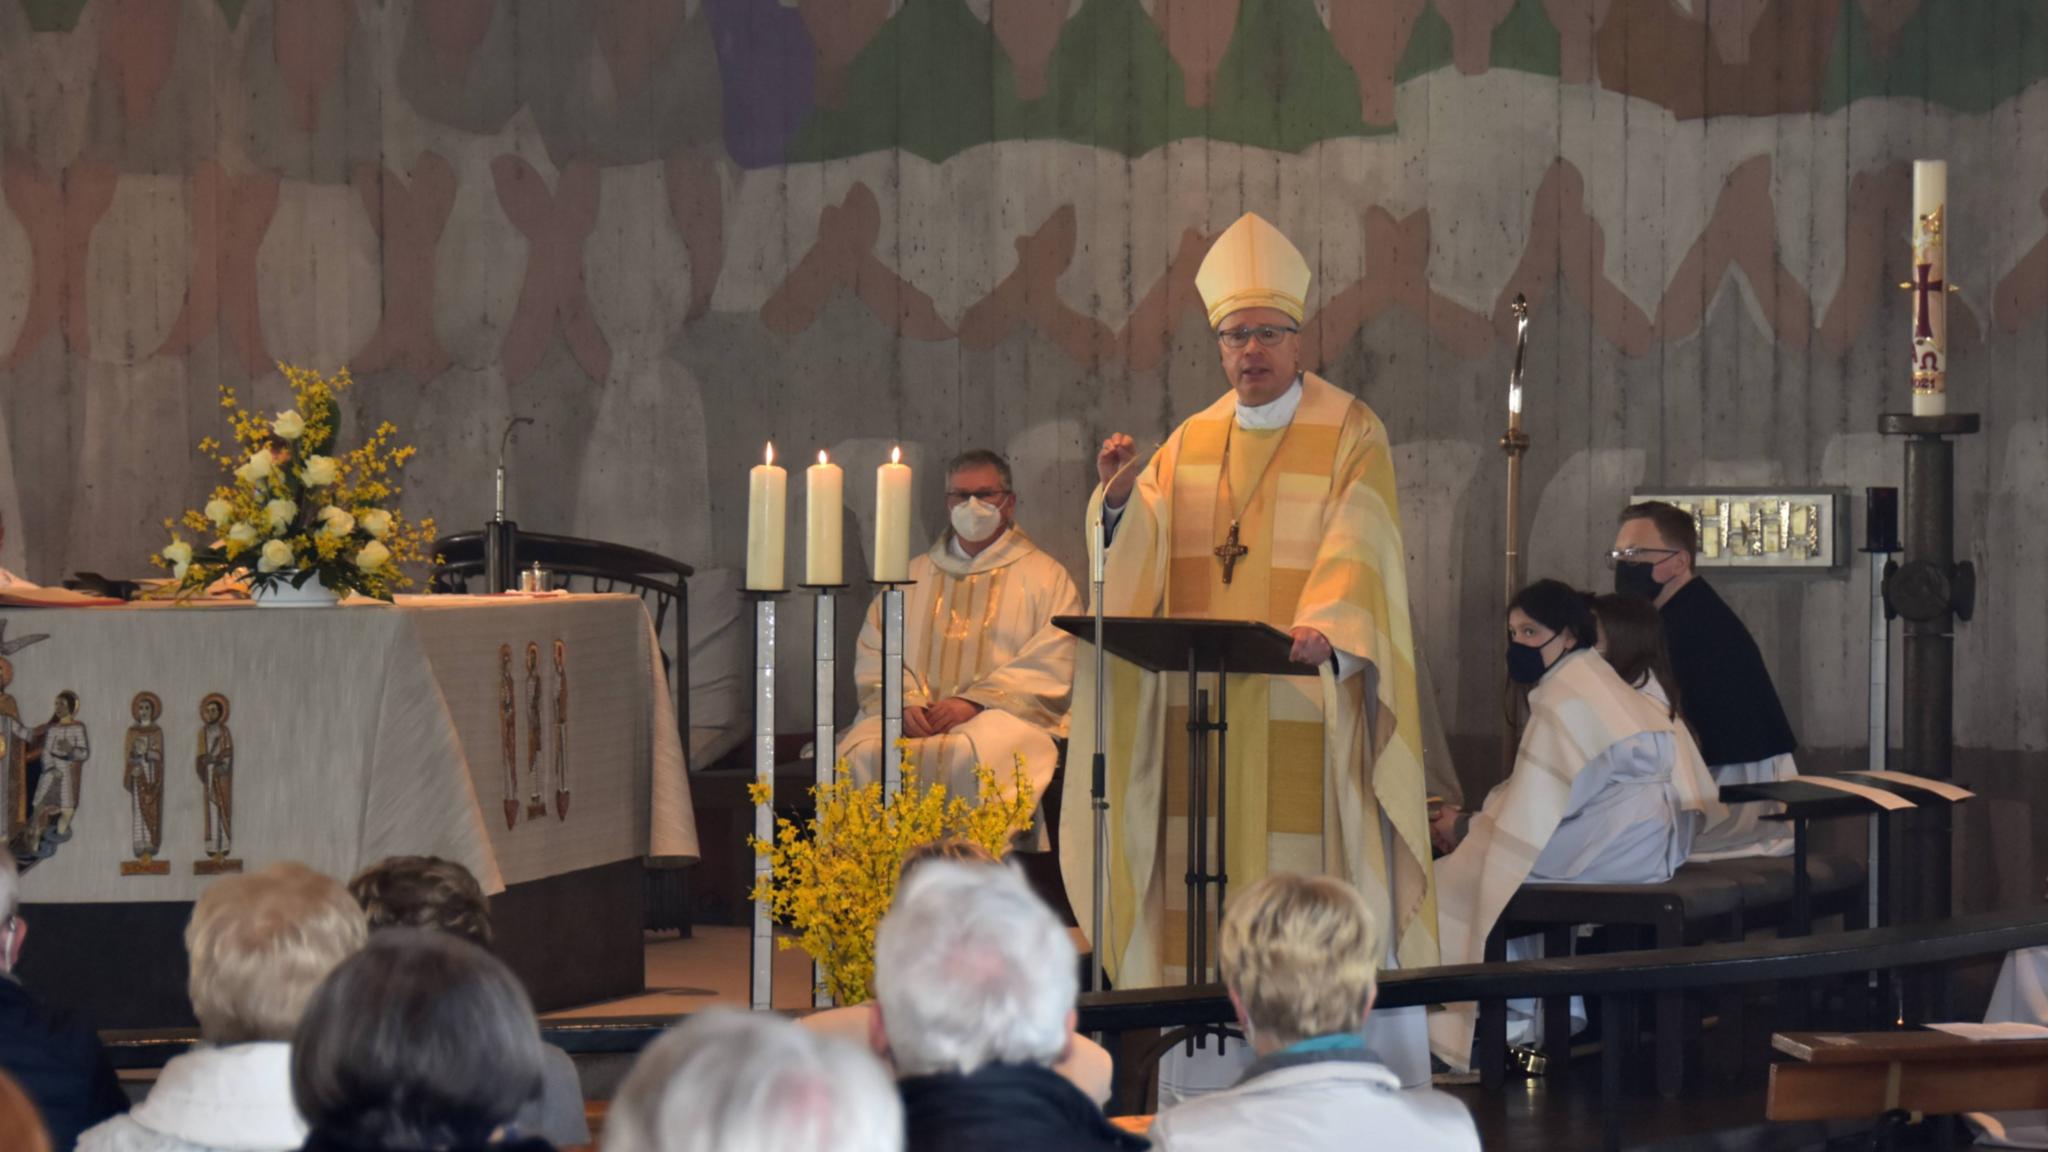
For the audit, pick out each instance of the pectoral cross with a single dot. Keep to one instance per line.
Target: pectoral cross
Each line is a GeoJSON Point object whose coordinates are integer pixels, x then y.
{"type": "Point", "coordinates": [1229, 551]}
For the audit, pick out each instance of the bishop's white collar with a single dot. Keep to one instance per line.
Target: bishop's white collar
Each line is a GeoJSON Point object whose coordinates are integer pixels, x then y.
{"type": "Point", "coordinates": [1275, 413]}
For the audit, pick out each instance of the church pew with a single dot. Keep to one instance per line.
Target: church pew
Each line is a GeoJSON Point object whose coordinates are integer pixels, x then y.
{"type": "Point", "coordinates": [1704, 903]}
{"type": "Point", "coordinates": [1861, 1075]}
{"type": "Point", "coordinates": [1613, 978]}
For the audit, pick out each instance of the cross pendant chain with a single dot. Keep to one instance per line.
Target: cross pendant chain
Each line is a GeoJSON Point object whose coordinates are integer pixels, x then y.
{"type": "Point", "coordinates": [1229, 551]}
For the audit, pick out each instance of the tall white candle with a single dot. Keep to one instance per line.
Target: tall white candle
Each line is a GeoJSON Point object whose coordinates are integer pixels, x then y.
{"type": "Point", "coordinates": [824, 552]}
{"type": "Point", "coordinates": [1929, 287]}
{"type": "Point", "coordinates": [767, 495]}
{"type": "Point", "coordinates": [892, 520]}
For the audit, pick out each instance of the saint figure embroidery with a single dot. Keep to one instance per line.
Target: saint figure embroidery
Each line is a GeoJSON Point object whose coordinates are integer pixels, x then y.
{"type": "Point", "coordinates": [561, 731]}
{"type": "Point", "coordinates": [534, 807]}
{"type": "Point", "coordinates": [215, 766]}
{"type": "Point", "coordinates": [65, 751]}
{"type": "Point", "coordinates": [508, 734]}
{"type": "Point", "coordinates": [142, 777]}
{"type": "Point", "coordinates": [15, 738]}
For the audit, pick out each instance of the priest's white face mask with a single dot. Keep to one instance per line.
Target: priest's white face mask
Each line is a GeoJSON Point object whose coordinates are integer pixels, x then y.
{"type": "Point", "coordinates": [975, 521]}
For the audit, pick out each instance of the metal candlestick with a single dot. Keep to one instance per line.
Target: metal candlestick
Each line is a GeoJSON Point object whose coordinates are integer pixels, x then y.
{"type": "Point", "coordinates": [824, 733]}
{"type": "Point", "coordinates": [892, 685]}
{"type": "Point", "coordinates": [1098, 785]}
{"type": "Point", "coordinates": [761, 969]}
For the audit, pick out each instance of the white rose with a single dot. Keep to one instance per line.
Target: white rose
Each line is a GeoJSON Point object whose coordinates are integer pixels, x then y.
{"type": "Point", "coordinates": [243, 534]}
{"type": "Point", "coordinates": [377, 522]}
{"type": "Point", "coordinates": [276, 554]}
{"type": "Point", "coordinates": [373, 556]}
{"type": "Point", "coordinates": [178, 571]}
{"type": "Point", "coordinates": [257, 468]}
{"type": "Point", "coordinates": [219, 511]}
{"type": "Point", "coordinates": [179, 554]}
{"type": "Point", "coordinates": [279, 514]}
{"type": "Point", "coordinates": [320, 471]}
{"type": "Point", "coordinates": [336, 521]}
{"type": "Point", "coordinates": [289, 425]}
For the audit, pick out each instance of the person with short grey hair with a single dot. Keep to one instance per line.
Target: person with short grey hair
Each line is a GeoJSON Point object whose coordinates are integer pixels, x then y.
{"type": "Point", "coordinates": [56, 1058]}
{"type": "Point", "coordinates": [730, 1081]}
{"type": "Point", "coordinates": [421, 1042]}
{"type": "Point", "coordinates": [975, 980]}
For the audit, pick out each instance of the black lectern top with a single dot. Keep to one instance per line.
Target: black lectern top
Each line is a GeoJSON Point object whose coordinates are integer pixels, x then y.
{"type": "Point", "coordinates": [1162, 644]}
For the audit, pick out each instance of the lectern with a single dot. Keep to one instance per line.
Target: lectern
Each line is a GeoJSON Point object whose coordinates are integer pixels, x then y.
{"type": "Point", "coordinates": [1218, 649]}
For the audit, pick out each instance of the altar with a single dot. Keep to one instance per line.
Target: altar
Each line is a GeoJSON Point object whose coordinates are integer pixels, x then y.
{"type": "Point", "coordinates": [528, 738]}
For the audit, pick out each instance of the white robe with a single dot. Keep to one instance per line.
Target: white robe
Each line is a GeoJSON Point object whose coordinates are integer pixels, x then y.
{"type": "Point", "coordinates": [978, 628]}
{"type": "Point", "coordinates": [1606, 789]}
{"type": "Point", "coordinates": [1743, 832]}
{"type": "Point", "coordinates": [1315, 1106]}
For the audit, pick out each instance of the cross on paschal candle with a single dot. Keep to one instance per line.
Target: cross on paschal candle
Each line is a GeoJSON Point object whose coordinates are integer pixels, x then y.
{"type": "Point", "coordinates": [1229, 552]}
{"type": "Point", "coordinates": [1924, 286]}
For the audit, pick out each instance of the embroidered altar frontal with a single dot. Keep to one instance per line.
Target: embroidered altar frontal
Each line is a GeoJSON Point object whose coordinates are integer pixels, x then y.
{"type": "Point", "coordinates": [530, 740]}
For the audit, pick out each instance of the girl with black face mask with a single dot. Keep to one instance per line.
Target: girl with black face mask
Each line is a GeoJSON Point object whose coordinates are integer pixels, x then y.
{"type": "Point", "coordinates": [1607, 788]}
{"type": "Point", "coordinates": [1546, 620]}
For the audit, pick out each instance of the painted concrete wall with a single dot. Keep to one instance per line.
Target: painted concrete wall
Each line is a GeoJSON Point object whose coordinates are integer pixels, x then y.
{"type": "Point", "coordinates": [672, 229]}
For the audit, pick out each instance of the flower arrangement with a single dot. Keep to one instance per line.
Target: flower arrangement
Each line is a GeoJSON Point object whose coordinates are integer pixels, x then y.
{"type": "Point", "coordinates": [293, 511]}
{"type": "Point", "coordinates": [834, 880]}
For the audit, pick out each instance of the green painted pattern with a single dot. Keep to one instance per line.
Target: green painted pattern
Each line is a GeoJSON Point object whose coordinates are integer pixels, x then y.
{"type": "Point", "coordinates": [232, 9]}
{"type": "Point", "coordinates": [935, 82]}
{"type": "Point", "coordinates": [1964, 55]}
{"type": "Point", "coordinates": [52, 15]}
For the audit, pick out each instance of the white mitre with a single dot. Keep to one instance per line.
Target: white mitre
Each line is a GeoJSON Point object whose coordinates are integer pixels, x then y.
{"type": "Point", "coordinates": [1252, 266]}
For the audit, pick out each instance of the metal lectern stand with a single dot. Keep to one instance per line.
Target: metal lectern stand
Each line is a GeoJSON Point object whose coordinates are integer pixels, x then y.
{"type": "Point", "coordinates": [1218, 649]}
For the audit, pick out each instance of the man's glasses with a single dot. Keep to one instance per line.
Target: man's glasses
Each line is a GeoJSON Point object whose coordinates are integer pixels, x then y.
{"type": "Point", "coordinates": [1267, 335]}
{"type": "Point", "coordinates": [985, 495]}
{"type": "Point", "coordinates": [1639, 555]}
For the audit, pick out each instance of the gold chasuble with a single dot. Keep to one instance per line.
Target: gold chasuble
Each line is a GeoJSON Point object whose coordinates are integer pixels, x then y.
{"type": "Point", "coordinates": [1325, 775]}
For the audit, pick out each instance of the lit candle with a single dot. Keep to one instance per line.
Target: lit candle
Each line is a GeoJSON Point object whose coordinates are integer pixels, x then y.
{"type": "Point", "coordinates": [1929, 284]}
{"type": "Point", "coordinates": [767, 491]}
{"type": "Point", "coordinates": [824, 485]}
{"type": "Point", "coordinates": [892, 520]}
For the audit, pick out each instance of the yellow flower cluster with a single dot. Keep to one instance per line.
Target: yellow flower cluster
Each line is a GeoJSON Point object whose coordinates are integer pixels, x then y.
{"type": "Point", "coordinates": [833, 880]}
{"type": "Point", "coordinates": [288, 505]}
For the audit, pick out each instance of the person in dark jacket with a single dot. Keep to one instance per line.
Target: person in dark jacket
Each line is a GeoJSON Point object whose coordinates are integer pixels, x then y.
{"type": "Point", "coordinates": [1726, 691]}
{"type": "Point", "coordinates": [975, 981]}
{"type": "Point", "coordinates": [421, 1042]}
{"type": "Point", "coordinates": [56, 1058]}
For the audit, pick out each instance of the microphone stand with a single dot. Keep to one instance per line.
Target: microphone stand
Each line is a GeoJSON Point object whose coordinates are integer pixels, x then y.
{"type": "Point", "coordinates": [1099, 766]}
{"type": "Point", "coordinates": [499, 533]}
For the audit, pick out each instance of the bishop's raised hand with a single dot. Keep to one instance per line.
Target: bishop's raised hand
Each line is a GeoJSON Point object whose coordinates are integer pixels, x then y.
{"type": "Point", "coordinates": [1112, 465]}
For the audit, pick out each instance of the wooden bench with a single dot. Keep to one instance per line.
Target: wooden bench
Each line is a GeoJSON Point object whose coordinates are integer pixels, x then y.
{"type": "Point", "coordinates": [1853, 1075]}
{"type": "Point", "coordinates": [1613, 978]}
{"type": "Point", "coordinates": [1703, 903]}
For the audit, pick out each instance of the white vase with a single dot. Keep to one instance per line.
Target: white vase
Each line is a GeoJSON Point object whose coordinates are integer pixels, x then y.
{"type": "Point", "coordinates": [313, 594]}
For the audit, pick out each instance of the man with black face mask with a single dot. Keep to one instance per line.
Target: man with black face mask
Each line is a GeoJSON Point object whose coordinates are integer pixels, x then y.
{"type": "Point", "coordinates": [1723, 686]}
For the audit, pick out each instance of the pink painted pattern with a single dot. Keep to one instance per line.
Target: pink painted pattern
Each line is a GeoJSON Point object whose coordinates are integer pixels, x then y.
{"type": "Point", "coordinates": [58, 213]}
{"type": "Point", "coordinates": [1030, 295]}
{"type": "Point", "coordinates": [843, 257]}
{"type": "Point", "coordinates": [408, 218]}
{"type": "Point", "coordinates": [556, 226]}
{"type": "Point", "coordinates": [138, 43]}
{"type": "Point", "coordinates": [230, 214]}
{"type": "Point", "coordinates": [311, 38]}
{"type": "Point", "coordinates": [696, 201]}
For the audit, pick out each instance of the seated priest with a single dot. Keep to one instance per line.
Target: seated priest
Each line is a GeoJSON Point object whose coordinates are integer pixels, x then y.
{"type": "Point", "coordinates": [1606, 789]}
{"type": "Point", "coordinates": [986, 676]}
{"type": "Point", "coordinates": [1719, 675]}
